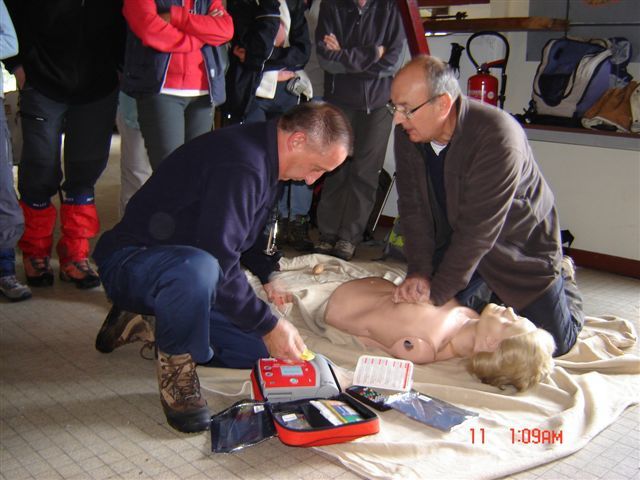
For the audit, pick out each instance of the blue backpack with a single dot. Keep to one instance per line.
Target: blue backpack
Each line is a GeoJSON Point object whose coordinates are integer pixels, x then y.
{"type": "Point", "coordinates": [573, 74]}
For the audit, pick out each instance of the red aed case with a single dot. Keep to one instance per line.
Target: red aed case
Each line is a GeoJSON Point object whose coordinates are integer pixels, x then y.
{"type": "Point", "coordinates": [302, 422]}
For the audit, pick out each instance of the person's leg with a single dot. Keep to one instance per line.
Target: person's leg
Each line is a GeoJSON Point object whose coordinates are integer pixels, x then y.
{"type": "Point", "coordinates": [88, 132]}
{"type": "Point", "coordinates": [333, 198]}
{"type": "Point", "coordinates": [177, 284]}
{"type": "Point", "coordinates": [198, 117]}
{"type": "Point", "coordinates": [11, 220]}
{"type": "Point", "coordinates": [559, 312]}
{"type": "Point", "coordinates": [162, 123]}
{"type": "Point", "coordinates": [233, 348]}
{"type": "Point", "coordinates": [135, 168]}
{"type": "Point", "coordinates": [371, 132]}
{"type": "Point", "coordinates": [39, 176]}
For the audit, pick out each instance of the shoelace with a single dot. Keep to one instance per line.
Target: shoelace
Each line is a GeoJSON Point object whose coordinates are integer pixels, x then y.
{"type": "Point", "coordinates": [147, 350]}
{"type": "Point", "coordinates": [184, 385]}
{"type": "Point", "coordinates": [9, 282]}
{"type": "Point", "coordinates": [83, 266]}
{"type": "Point", "coordinates": [39, 263]}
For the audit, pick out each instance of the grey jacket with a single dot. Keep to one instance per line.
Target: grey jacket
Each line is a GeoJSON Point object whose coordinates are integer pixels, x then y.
{"type": "Point", "coordinates": [500, 209]}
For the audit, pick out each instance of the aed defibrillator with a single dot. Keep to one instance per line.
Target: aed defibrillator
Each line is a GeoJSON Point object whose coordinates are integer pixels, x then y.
{"type": "Point", "coordinates": [300, 403]}
{"type": "Point", "coordinates": [277, 381]}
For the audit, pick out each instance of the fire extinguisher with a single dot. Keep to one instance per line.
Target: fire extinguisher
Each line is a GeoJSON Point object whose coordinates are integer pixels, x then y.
{"type": "Point", "coordinates": [483, 86]}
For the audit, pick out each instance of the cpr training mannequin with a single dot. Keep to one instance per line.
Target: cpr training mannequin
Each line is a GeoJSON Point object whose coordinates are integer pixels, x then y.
{"type": "Point", "coordinates": [501, 347]}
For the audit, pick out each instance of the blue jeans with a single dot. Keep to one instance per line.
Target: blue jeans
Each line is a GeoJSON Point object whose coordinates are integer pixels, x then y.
{"type": "Point", "coordinates": [178, 285]}
{"type": "Point", "coordinates": [300, 204]}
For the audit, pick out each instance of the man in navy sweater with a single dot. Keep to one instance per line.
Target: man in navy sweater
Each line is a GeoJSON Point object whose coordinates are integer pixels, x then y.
{"type": "Point", "coordinates": [176, 252]}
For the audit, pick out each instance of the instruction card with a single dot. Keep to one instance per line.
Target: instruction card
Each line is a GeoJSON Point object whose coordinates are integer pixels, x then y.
{"type": "Point", "coordinates": [384, 372]}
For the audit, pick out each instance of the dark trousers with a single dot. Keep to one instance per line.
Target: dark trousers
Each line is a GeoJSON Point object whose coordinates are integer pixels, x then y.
{"type": "Point", "coordinates": [87, 132]}
{"type": "Point", "coordinates": [558, 310]}
{"type": "Point", "coordinates": [178, 285]}
{"type": "Point", "coordinates": [349, 192]}
{"type": "Point", "coordinates": [168, 121]}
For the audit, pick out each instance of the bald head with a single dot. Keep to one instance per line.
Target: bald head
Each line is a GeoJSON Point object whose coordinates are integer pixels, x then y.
{"type": "Point", "coordinates": [424, 93]}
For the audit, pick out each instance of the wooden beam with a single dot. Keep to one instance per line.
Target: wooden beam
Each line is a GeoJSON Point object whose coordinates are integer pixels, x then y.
{"type": "Point", "coordinates": [413, 27]}
{"type": "Point", "coordinates": [506, 24]}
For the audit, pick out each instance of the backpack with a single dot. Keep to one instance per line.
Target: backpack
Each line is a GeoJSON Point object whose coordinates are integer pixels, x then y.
{"type": "Point", "coordinates": [572, 75]}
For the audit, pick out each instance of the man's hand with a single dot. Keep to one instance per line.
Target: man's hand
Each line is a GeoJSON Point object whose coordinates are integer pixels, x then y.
{"type": "Point", "coordinates": [216, 12]}
{"type": "Point", "coordinates": [331, 42]}
{"type": "Point", "coordinates": [414, 289]}
{"type": "Point", "coordinates": [284, 342]}
{"type": "Point", "coordinates": [284, 75]}
{"type": "Point", "coordinates": [20, 77]}
{"type": "Point", "coordinates": [381, 51]}
{"type": "Point", "coordinates": [239, 52]}
{"type": "Point", "coordinates": [277, 293]}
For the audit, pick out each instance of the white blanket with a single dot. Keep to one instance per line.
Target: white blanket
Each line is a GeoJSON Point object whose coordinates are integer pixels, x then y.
{"type": "Point", "coordinates": [589, 388]}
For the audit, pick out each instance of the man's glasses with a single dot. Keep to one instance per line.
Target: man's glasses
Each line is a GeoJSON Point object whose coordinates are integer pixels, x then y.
{"type": "Point", "coordinates": [408, 114]}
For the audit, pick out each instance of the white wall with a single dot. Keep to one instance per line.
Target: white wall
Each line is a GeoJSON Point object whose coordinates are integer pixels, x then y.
{"type": "Point", "coordinates": [597, 189]}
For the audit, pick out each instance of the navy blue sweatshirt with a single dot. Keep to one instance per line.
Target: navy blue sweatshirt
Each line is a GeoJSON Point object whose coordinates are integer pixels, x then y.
{"type": "Point", "coordinates": [214, 193]}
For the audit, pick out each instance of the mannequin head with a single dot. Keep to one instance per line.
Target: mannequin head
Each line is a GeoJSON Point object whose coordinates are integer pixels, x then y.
{"type": "Point", "coordinates": [522, 361]}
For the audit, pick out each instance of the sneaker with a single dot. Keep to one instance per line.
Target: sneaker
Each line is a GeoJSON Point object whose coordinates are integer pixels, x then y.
{"type": "Point", "coordinates": [38, 271]}
{"type": "Point", "coordinates": [185, 408]}
{"type": "Point", "coordinates": [298, 234]}
{"type": "Point", "coordinates": [80, 273]}
{"type": "Point", "coordinates": [122, 327]}
{"type": "Point", "coordinates": [568, 268]}
{"type": "Point", "coordinates": [324, 247]}
{"type": "Point", "coordinates": [11, 288]}
{"type": "Point", "coordinates": [344, 250]}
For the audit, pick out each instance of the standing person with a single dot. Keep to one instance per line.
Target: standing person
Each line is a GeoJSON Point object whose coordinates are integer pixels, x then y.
{"type": "Point", "coordinates": [359, 45]}
{"type": "Point", "coordinates": [173, 69]}
{"type": "Point", "coordinates": [296, 200]}
{"type": "Point", "coordinates": [176, 252]}
{"type": "Point", "coordinates": [11, 218]}
{"type": "Point", "coordinates": [67, 73]}
{"type": "Point", "coordinates": [270, 47]}
{"type": "Point", "coordinates": [135, 168]}
{"type": "Point", "coordinates": [475, 208]}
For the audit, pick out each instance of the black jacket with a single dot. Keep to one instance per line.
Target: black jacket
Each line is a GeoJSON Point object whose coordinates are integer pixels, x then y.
{"type": "Point", "coordinates": [71, 51]}
{"type": "Point", "coordinates": [255, 28]}
{"type": "Point", "coordinates": [354, 76]}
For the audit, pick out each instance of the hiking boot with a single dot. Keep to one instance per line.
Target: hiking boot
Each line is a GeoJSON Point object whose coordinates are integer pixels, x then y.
{"type": "Point", "coordinates": [122, 327]}
{"type": "Point", "coordinates": [80, 273]}
{"type": "Point", "coordinates": [38, 271]}
{"type": "Point", "coordinates": [11, 288]}
{"type": "Point", "coordinates": [325, 245]}
{"type": "Point", "coordinates": [344, 250]}
{"type": "Point", "coordinates": [185, 408]}
{"type": "Point", "coordinates": [298, 234]}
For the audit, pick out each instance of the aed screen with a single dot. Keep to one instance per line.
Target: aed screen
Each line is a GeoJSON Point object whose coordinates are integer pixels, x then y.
{"type": "Point", "coordinates": [291, 370]}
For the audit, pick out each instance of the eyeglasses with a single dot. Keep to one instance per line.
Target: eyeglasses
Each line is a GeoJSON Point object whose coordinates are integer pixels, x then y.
{"type": "Point", "coordinates": [408, 114]}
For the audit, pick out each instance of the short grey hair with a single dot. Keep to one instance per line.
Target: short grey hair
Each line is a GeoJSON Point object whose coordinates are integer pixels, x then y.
{"type": "Point", "coordinates": [323, 123]}
{"type": "Point", "coordinates": [439, 76]}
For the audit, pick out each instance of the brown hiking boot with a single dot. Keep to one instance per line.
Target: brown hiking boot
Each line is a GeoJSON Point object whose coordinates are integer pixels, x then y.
{"type": "Point", "coordinates": [80, 273]}
{"type": "Point", "coordinates": [38, 271]}
{"type": "Point", "coordinates": [122, 327]}
{"type": "Point", "coordinates": [185, 408]}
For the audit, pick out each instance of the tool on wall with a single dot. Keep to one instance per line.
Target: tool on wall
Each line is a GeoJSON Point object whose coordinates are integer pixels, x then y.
{"type": "Point", "coordinates": [484, 86]}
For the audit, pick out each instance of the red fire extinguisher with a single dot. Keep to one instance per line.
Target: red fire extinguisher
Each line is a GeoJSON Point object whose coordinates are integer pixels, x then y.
{"type": "Point", "coordinates": [483, 86]}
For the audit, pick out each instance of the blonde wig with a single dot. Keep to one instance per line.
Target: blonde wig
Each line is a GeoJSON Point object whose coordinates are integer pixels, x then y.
{"type": "Point", "coordinates": [522, 361]}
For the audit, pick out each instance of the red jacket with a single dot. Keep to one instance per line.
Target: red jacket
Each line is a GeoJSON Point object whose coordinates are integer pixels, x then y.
{"type": "Point", "coordinates": [182, 38]}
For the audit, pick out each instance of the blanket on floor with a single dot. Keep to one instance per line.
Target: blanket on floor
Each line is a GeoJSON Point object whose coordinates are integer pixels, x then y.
{"type": "Point", "coordinates": [589, 388]}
